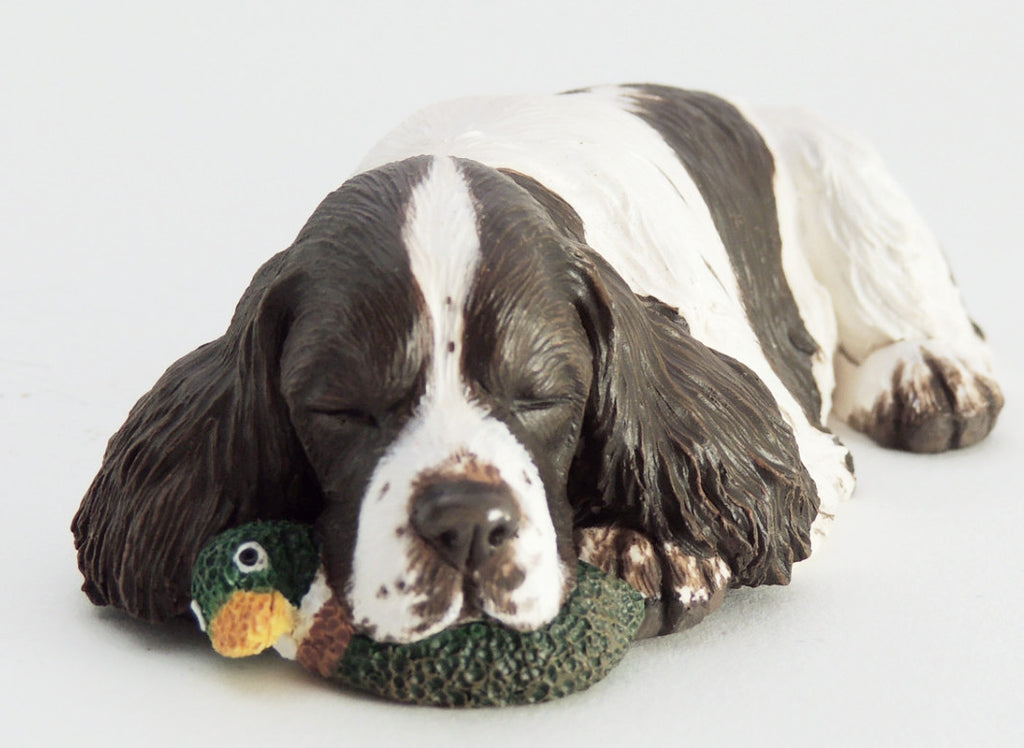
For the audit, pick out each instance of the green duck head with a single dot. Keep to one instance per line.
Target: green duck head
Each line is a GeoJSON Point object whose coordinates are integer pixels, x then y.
{"type": "Point", "coordinates": [248, 582]}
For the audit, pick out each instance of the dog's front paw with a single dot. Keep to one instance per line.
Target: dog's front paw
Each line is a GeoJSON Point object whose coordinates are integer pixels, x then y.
{"type": "Point", "coordinates": [680, 589]}
{"type": "Point", "coordinates": [918, 397]}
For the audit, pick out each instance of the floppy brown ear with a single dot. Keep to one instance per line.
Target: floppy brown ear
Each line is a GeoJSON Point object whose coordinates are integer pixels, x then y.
{"type": "Point", "coordinates": [684, 443]}
{"type": "Point", "coordinates": [209, 447]}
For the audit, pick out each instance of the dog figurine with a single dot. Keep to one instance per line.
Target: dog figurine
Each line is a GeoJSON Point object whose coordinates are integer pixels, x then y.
{"type": "Point", "coordinates": [605, 325]}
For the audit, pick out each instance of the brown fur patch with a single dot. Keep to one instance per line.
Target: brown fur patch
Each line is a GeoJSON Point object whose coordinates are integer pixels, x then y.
{"type": "Point", "coordinates": [498, 579]}
{"type": "Point", "coordinates": [624, 553]}
{"type": "Point", "coordinates": [328, 638]}
{"type": "Point", "coordinates": [462, 465]}
{"type": "Point", "coordinates": [681, 589]}
{"type": "Point", "coordinates": [429, 576]}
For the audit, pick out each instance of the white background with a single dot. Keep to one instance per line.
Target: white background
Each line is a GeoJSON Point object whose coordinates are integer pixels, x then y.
{"type": "Point", "coordinates": [152, 155]}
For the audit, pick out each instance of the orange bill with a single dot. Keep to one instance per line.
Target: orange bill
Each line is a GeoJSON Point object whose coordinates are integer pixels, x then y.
{"type": "Point", "coordinates": [250, 622]}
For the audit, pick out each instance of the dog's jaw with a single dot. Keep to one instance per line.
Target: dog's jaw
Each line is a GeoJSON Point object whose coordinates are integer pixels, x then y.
{"type": "Point", "coordinates": [400, 590]}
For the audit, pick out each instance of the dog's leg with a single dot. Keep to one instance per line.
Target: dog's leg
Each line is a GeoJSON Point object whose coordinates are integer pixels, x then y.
{"type": "Point", "coordinates": [680, 589]}
{"type": "Point", "coordinates": [912, 370]}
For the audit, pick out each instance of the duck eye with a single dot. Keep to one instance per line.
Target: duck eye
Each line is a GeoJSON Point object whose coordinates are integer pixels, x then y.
{"type": "Point", "coordinates": [251, 557]}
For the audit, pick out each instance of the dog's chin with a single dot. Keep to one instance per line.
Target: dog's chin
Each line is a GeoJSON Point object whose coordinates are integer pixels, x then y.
{"type": "Point", "coordinates": [472, 599]}
{"type": "Point", "coordinates": [477, 607]}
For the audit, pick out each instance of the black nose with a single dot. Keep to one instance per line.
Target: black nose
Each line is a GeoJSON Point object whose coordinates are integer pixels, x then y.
{"type": "Point", "coordinates": [465, 521]}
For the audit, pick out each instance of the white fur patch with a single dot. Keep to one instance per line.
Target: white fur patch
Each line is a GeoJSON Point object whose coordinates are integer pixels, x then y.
{"type": "Point", "coordinates": [391, 587]}
{"type": "Point", "coordinates": [198, 613]}
{"type": "Point", "coordinates": [868, 245]}
{"type": "Point", "coordinates": [318, 594]}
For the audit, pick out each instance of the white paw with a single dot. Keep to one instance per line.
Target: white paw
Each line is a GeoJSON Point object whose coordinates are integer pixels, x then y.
{"type": "Point", "coordinates": [917, 396]}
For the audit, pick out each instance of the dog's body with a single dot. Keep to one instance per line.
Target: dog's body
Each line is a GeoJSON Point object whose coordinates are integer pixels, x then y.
{"type": "Point", "coordinates": [604, 324]}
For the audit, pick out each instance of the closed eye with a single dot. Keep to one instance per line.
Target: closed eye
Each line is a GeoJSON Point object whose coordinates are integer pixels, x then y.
{"type": "Point", "coordinates": [531, 405]}
{"type": "Point", "coordinates": [352, 416]}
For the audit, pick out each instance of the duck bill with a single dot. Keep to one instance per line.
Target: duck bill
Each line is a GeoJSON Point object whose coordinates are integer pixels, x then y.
{"type": "Point", "coordinates": [250, 622]}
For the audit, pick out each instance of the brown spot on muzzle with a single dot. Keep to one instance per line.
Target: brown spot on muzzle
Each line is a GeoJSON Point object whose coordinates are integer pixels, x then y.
{"type": "Point", "coordinates": [431, 577]}
{"type": "Point", "coordinates": [461, 465]}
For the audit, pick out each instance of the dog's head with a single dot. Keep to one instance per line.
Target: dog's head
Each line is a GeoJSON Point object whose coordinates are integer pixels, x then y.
{"type": "Point", "coordinates": [444, 378]}
{"type": "Point", "coordinates": [436, 374]}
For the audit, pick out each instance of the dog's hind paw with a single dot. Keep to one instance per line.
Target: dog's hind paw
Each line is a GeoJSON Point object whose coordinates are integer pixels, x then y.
{"type": "Point", "coordinates": [680, 589]}
{"type": "Point", "coordinates": [917, 397]}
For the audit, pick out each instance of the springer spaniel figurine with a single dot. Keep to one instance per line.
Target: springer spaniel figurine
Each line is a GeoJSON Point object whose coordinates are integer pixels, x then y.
{"type": "Point", "coordinates": [605, 325]}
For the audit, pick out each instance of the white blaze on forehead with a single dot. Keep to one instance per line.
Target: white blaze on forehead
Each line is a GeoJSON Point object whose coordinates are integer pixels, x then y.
{"type": "Point", "coordinates": [387, 593]}
{"type": "Point", "coordinates": [440, 235]}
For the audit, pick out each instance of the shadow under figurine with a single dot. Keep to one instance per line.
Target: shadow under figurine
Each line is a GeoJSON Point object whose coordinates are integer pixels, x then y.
{"type": "Point", "coordinates": [533, 336]}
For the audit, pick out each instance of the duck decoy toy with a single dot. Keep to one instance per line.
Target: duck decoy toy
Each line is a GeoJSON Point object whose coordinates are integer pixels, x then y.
{"type": "Point", "coordinates": [260, 585]}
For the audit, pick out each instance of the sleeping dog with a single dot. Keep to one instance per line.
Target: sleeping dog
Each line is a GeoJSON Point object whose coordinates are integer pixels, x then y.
{"type": "Point", "coordinates": [608, 324]}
